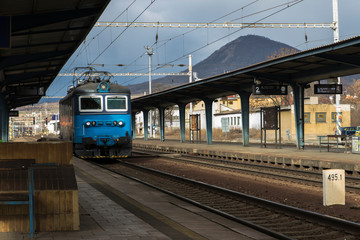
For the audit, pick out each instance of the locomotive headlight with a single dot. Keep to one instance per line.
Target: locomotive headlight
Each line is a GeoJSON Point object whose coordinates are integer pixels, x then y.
{"type": "Point", "coordinates": [115, 123]}
{"type": "Point", "coordinates": [121, 123]}
{"type": "Point", "coordinates": [93, 123]}
{"type": "Point", "coordinates": [103, 87]}
{"type": "Point", "coordinates": [88, 123]}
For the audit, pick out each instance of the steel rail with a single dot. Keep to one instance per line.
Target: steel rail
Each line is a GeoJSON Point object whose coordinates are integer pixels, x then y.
{"type": "Point", "coordinates": [282, 209]}
{"type": "Point", "coordinates": [315, 177]}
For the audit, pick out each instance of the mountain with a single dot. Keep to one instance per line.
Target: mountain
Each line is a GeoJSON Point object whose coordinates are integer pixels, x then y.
{"type": "Point", "coordinates": [241, 52]}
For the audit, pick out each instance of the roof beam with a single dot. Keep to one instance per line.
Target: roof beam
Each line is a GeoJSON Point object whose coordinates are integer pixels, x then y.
{"type": "Point", "coordinates": [45, 44]}
{"type": "Point", "coordinates": [230, 88]}
{"type": "Point", "coordinates": [17, 78]}
{"type": "Point", "coordinates": [49, 31]}
{"type": "Point", "coordinates": [21, 59]}
{"type": "Point", "coordinates": [270, 77]}
{"type": "Point", "coordinates": [25, 22]}
{"type": "Point", "coordinates": [332, 71]}
{"type": "Point", "coordinates": [46, 65]}
{"type": "Point", "coordinates": [351, 60]}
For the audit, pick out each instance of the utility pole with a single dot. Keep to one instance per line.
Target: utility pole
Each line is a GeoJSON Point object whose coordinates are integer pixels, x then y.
{"type": "Point", "coordinates": [190, 78]}
{"type": "Point", "coordinates": [149, 52]}
{"type": "Point", "coordinates": [336, 39]}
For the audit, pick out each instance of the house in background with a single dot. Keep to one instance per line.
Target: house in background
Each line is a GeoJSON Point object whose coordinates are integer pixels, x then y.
{"type": "Point", "coordinates": [319, 119]}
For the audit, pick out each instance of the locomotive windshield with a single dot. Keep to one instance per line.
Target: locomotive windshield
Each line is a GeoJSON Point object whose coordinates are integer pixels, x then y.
{"type": "Point", "coordinates": [90, 103]}
{"type": "Point", "coordinates": [116, 103]}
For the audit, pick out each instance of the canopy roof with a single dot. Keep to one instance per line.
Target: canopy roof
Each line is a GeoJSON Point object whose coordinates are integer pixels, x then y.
{"type": "Point", "coordinates": [44, 34]}
{"type": "Point", "coordinates": [330, 61]}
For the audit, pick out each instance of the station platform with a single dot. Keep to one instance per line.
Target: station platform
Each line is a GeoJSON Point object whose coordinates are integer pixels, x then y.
{"type": "Point", "coordinates": [115, 207]}
{"type": "Point", "coordinates": [287, 155]}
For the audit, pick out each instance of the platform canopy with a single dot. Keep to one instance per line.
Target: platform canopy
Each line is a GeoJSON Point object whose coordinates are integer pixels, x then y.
{"type": "Point", "coordinates": [37, 38]}
{"type": "Point", "coordinates": [330, 61]}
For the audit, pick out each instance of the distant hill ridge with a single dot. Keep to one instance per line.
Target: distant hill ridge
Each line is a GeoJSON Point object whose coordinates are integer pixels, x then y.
{"type": "Point", "coordinates": [239, 53]}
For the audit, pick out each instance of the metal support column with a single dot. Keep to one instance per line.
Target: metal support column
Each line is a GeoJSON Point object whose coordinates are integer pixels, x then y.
{"type": "Point", "coordinates": [182, 121]}
{"type": "Point", "coordinates": [133, 124]}
{"type": "Point", "coordinates": [245, 116]}
{"type": "Point", "coordinates": [162, 123]}
{"type": "Point", "coordinates": [146, 119]}
{"type": "Point", "coordinates": [4, 121]}
{"type": "Point", "coordinates": [298, 91]}
{"type": "Point", "coordinates": [208, 116]}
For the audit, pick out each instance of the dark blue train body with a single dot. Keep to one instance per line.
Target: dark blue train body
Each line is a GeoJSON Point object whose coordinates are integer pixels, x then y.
{"type": "Point", "coordinates": [96, 116]}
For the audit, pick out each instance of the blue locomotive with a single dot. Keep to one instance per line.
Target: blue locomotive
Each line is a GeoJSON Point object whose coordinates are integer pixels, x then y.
{"type": "Point", "coordinates": [95, 114]}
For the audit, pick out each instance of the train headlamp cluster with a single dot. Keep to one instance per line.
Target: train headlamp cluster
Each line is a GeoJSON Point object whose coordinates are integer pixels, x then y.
{"type": "Point", "coordinates": [103, 87]}
{"type": "Point", "coordinates": [115, 123]}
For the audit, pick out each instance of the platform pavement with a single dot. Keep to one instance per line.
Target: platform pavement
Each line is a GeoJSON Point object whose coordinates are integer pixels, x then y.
{"type": "Point", "coordinates": [310, 157]}
{"type": "Point", "coordinates": [113, 207]}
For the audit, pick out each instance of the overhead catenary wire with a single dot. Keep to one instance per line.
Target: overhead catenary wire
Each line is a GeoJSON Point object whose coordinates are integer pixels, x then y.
{"type": "Point", "coordinates": [157, 41]}
{"type": "Point", "coordinates": [172, 38]}
{"type": "Point", "coordinates": [287, 5]}
{"type": "Point", "coordinates": [86, 46]}
{"type": "Point", "coordinates": [292, 3]}
{"type": "Point", "coordinates": [117, 37]}
{"type": "Point", "coordinates": [86, 43]}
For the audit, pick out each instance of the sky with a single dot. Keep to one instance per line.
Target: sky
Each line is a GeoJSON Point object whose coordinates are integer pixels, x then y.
{"type": "Point", "coordinates": [112, 46]}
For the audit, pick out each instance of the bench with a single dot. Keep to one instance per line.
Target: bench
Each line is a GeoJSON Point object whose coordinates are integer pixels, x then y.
{"type": "Point", "coordinates": [341, 140]}
{"type": "Point", "coordinates": [15, 173]}
{"type": "Point", "coordinates": [18, 169]}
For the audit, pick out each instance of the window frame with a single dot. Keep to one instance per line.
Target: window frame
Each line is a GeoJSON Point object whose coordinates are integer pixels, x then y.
{"type": "Point", "coordinates": [91, 110]}
{"type": "Point", "coordinates": [116, 110]}
{"type": "Point", "coordinates": [317, 119]}
{"type": "Point", "coordinates": [307, 119]}
{"type": "Point", "coordinates": [333, 119]}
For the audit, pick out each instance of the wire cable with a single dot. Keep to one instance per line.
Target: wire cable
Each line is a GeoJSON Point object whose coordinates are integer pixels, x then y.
{"type": "Point", "coordinates": [89, 41]}
{"type": "Point", "coordinates": [172, 38]}
{"type": "Point", "coordinates": [286, 7]}
{"type": "Point", "coordinates": [106, 48]}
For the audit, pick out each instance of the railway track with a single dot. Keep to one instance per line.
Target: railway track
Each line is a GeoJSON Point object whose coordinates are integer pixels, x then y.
{"type": "Point", "coordinates": [305, 177]}
{"type": "Point", "coordinates": [274, 219]}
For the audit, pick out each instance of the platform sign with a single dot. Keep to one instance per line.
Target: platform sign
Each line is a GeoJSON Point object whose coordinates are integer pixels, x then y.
{"type": "Point", "coordinates": [328, 89]}
{"type": "Point", "coordinates": [269, 90]}
{"type": "Point", "coordinates": [5, 31]}
{"type": "Point", "coordinates": [333, 187]}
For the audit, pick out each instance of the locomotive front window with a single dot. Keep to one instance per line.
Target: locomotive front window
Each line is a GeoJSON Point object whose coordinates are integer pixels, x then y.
{"type": "Point", "coordinates": [116, 103]}
{"type": "Point", "coordinates": [90, 104]}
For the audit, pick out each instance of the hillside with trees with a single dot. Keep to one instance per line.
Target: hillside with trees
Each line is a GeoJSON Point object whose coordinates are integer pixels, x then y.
{"type": "Point", "coordinates": [239, 53]}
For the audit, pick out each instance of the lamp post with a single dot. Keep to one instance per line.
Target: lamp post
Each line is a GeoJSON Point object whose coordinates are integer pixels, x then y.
{"type": "Point", "coordinates": [336, 39]}
{"type": "Point", "coordinates": [149, 52]}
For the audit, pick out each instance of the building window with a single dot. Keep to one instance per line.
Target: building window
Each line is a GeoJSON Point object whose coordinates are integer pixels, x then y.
{"type": "Point", "coordinates": [333, 117]}
{"type": "Point", "coordinates": [230, 102]}
{"type": "Point", "coordinates": [306, 117]}
{"type": "Point", "coordinates": [321, 117]}
{"type": "Point", "coordinates": [238, 120]}
{"type": "Point", "coordinates": [231, 119]}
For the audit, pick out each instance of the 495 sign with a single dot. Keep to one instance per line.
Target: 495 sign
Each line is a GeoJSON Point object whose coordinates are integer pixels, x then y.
{"type": "Point", "coordinates": [333, 187]}
{"type": "Point", "coordinates": [335, 177]}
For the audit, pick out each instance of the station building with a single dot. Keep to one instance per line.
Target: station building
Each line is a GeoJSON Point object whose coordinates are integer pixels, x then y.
{"type": "Point", "coordinates": [319, 119]}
